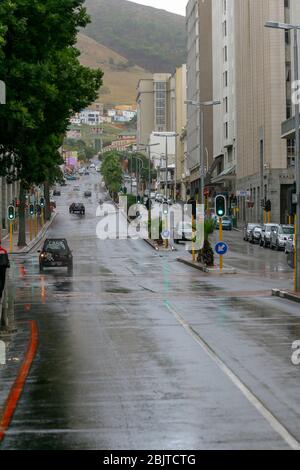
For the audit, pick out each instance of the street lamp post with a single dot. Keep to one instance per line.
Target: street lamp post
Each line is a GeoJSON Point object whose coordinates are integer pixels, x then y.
{"type": "Point", "coordinates": [138, 169]}
{"type": "Point", "coordinates": [167, 135]}
{"type": "Point", "coordinates": [148, 147]}
{"type": "Point", "coordinates": [200, 105]}
{"type": "Point", "coordinates": [295, 28]}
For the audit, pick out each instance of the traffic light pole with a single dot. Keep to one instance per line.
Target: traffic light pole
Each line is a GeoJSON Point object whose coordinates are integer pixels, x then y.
{"type": "Point", "coordinates": [11, 239]}
{"type": "Point", "coordinates": [297, 126]}
{"type": "Point", "coordinates": [221, 239]}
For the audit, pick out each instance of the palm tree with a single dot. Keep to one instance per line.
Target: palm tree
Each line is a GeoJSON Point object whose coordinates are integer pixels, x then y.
{"type": "Point", "coordinates": [206, 255]}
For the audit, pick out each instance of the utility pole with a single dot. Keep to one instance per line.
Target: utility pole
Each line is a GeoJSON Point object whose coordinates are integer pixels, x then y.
{"type": "Point", "coordinates": [166, 176]}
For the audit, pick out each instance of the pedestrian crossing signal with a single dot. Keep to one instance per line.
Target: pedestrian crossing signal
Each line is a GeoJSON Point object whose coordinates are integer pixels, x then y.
{"type": "Point", "coordinates": [42, 202]}
{"type": "Point", "coordinates": [220, 206]}
{"type": "Point", "coordinates": [11, 213]}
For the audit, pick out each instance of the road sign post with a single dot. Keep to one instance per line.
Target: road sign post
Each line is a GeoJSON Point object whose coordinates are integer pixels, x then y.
{"type": "Point", "coordinates": [221, 249]}
{"type": "Point", "coordinates": [221, 239]}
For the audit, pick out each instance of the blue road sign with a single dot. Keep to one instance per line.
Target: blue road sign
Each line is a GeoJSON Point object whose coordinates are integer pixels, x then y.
{"type": "Point", "coordinates": [165, 235]}
{"type": "Point", "coordinates": [221, 248]}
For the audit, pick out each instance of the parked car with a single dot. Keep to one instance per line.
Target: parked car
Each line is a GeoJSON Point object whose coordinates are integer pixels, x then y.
{"type": "Point", "coordinates": [247, 231]}
{"type": "Point", "coordinates": [87, 193]}
{"type": "Point", "coordinates": [226, 223]}
{"type": "Point", "coordinates": [86, 173]}
{"type": "Point", "coordinates": [266, 234]}
{"type": "Point", "coordinates": [63, 183]}
{"type": "Point", "coordinates": [71, 178]}
{"type": "Point", "coordinates": [76, 188]}
{"type": "Point", "coordinates": [56, 192]}
{"type": "Point", "coordinates": [56, 253]}
{"type": "Point", "coordinates": [280, 235]}
{"type": "Point", "coordinates": [77, 208]}
{"type": "Point", "coordinates": [183, 232]}
{"type": "Point", "coordinates": [256, 234]}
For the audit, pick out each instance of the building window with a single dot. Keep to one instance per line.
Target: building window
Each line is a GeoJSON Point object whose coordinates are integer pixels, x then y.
{"type": "Point", "coordinates": [224, 7]}
{"type": "Point", "coordinates": [225, 76]}
{"type": "Point", "coordinates": [225, 29]}
{"type": "Point", "coordinates": [226, 105]}
{"type": "Point", "coordinates": [225, 54]}
{"type": "Point", "coordinates": [226, 130]}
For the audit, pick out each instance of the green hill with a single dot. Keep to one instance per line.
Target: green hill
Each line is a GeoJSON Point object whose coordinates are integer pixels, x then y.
{"type": "Point", "coordinates": [150, 38]}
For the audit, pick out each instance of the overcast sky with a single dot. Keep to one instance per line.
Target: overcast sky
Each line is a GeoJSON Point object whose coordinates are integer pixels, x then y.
{"type": "Point", "coordinates": [176, 6]}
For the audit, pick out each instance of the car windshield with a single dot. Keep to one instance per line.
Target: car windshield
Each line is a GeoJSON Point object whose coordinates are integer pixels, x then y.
{"type": "Point", "coordinates": [251, 226]}
{"type": "Point", "coordinates": [55, 245]}
{"type": "Point", "coordinates": [226, 219]}
{"type": "Point", "coordinates": [287, 230]}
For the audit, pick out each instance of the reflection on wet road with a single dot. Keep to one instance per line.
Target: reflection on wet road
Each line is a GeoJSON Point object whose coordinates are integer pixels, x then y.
{"type": "Point", "coordinates": [116, 369]}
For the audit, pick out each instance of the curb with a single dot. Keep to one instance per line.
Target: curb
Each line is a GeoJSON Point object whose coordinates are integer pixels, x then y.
{"type": "Point", "coordinates": [206, 270]}
{"type": "Point", "coordinates": [37, 239]}
{"type": "Point", "coordinates": [286, 295]}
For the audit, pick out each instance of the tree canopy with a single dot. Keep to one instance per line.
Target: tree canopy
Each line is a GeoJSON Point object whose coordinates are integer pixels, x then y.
{"type": "Point", "coordinates": [45, 83]}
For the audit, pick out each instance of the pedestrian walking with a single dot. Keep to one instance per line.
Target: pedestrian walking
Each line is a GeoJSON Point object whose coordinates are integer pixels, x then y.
{"type": "Point", "coordinates": [4, 264]}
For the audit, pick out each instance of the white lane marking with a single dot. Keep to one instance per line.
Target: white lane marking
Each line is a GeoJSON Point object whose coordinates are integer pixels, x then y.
{"type": "Point", "coordinates": [269, 417]}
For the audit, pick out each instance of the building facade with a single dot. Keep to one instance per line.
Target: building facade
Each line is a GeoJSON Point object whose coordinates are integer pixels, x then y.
{"type": "Point", "coordinates": [224, 84]}
{"type": "Point", "coordinates": [199, 88]}
{"type": "Point", "coordinates": [265, 170]}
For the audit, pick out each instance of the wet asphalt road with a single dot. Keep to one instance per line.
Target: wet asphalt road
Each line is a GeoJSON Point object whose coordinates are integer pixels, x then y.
{"type": "Point", "coordinates": [130, 347]}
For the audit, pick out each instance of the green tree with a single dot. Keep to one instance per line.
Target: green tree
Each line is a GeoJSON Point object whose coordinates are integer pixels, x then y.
{"type": "Point", "coordinates": [112, 172]}
{"type": "Point", "coordinates": [45, 84]}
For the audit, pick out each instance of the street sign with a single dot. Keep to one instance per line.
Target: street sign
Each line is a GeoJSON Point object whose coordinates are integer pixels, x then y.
{"type": "Point", "coordinates": [221, 248]}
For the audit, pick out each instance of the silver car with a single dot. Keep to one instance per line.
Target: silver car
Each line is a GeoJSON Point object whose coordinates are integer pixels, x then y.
{"type": "Point", "coordinates": [280, 235]}
{"type": "Point", "coordinates": [266, 234]}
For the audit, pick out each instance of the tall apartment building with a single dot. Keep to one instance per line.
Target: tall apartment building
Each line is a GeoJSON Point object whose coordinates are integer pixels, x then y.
{"type": "Point", "coordinates": [199, 86]}
{"type": "Point", "coordinates": [265, 168]}
{"type": "Point", "coordinates": [224, 83]}
{"type": "Point", "coordinates": [161, 107]}
{"type": "Point", "coordinates": [181, 170]}
{"type": "Point", "coordinates": [232, 57]}
{"type": "Point", "coordinates": [153, 106]}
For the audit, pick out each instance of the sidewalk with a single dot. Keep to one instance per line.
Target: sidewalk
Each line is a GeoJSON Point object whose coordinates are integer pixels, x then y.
{"type": "Point", "coordinates": [30, 243]}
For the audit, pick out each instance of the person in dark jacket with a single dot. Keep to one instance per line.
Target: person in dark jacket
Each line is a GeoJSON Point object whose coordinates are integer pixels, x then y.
{"type": "Point", "coordinates": [4, 264]}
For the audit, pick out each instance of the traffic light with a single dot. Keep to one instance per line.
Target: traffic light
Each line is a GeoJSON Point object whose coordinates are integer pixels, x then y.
{"type": "Point", "coordinates": [31, 209]}
{"type": "Point", "coordinates": [42, 202]}
{"type": "Point", "coordinates": [268, 206]}
{"type": "Point", "coordinates": [292, 200]}
{"type": "Point", "coordinates": [165, 209]}
{"type": "Point", "coordinates": [11, 213]}
{"type": "Point", "coordinates": [220, 205]}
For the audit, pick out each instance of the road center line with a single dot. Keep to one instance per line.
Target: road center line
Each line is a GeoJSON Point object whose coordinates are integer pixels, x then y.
{"type": "Point", "coordinates": [18, 386]}
{"type": "Point", "coordinates": [261, 408]}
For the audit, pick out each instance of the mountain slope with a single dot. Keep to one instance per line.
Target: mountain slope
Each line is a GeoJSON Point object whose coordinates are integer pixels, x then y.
{"type": "Point", "coordinates": [120, 78]}
{"type": "Point", "coordinates": [151, 38]}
